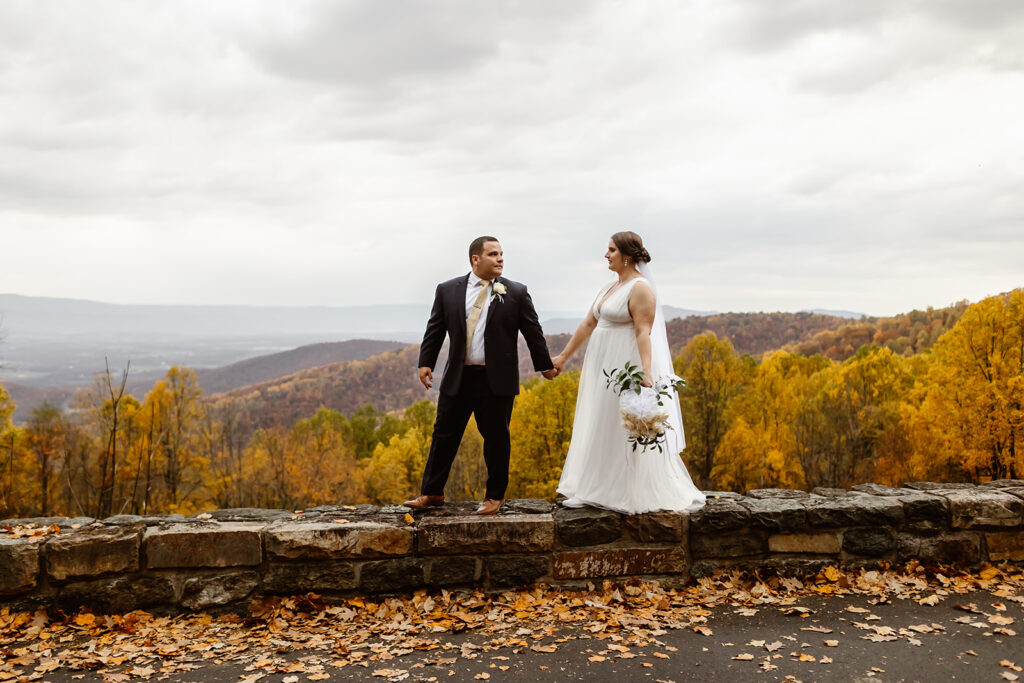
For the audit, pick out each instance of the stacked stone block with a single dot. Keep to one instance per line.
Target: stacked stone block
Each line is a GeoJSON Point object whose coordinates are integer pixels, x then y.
{"type": "Point", "coordinates": [227, 557]}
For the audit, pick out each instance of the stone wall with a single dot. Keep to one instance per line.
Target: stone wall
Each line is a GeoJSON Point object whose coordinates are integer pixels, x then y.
{"type": "Point", "coordinates": [229, 556]}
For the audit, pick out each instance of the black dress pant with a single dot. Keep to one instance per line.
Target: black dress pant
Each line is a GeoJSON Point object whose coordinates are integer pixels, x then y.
{"type": "Point", "coordinates": [492, 414]}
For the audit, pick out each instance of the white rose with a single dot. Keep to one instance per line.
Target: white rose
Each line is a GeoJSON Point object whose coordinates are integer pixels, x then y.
{"type": "Point", "coordinates": [499, 288]}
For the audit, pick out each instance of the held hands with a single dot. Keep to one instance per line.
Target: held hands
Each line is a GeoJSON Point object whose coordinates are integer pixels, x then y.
{"type": "Point", "coordinates": [559, 363]}
{"type": "Point", "coordinates": [426, 377]}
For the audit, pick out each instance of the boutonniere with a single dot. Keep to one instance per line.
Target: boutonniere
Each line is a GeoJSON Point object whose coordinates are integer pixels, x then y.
{"type": "Point", "coordinates": [499, 291]}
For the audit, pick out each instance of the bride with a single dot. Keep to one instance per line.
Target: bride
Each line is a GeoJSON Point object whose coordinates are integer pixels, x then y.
{"type": "Point", "coordinates": [625, 323]}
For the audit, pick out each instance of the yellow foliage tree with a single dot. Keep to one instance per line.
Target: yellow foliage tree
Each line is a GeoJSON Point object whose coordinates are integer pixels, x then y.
{"type": "Point", "coordinates": [760, 448]}
{"type": "Point", "coordinates": [975, 389]}
{"type": "Point", "coordinates": [392, 474]}
{"type": "Point", "coordinates": [861, 404]}
{"type": "Point", "coordinates": [541, 430]}
{"type": "Point", "coordinates": [176, 411]}
{"type": "Point", "coordinates": [714, 374]}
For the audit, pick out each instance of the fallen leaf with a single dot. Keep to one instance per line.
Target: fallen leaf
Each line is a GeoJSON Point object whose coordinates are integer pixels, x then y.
{"type": "Point", "coordinates": [744, 657]}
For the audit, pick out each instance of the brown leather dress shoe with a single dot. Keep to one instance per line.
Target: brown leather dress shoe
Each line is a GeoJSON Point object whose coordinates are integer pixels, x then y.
{"type": "Point", "coordinates": [489, 507]}
{"type": "Point", "coordinates": [423, 502]}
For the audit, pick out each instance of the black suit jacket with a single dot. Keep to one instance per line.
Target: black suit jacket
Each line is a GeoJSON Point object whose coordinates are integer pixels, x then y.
{"type": "Point", "coordinates": [506, 318]}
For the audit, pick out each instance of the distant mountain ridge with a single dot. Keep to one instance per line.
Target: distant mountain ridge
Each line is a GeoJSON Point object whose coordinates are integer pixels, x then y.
{"type": "Point", "coordinates": [244, 373]}
{"type": "Point", "coordinates": [275, 388]}
{"type": "Point", "coordinates": [26, 316]}
{"type": "Point", "coordinates": [269, 367]}
{"type": "Point", "coordinates": [388, 381]}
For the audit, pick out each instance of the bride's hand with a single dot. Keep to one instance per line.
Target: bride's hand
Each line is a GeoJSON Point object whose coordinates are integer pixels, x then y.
{"type": "Point", "coordinates": [559, 362]}
{"type": "Point", "coordinates": [646, 382]}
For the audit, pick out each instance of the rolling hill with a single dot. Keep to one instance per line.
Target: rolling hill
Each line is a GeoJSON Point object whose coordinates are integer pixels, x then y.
{"type": "Point", "coordinates": [280, 388]}
{"type": "Point", "coordinates": [388, 381]}
{"type": "Point", "coordinates": [215, 380]}
{"type": "Point", "coordinates": [274, 365]}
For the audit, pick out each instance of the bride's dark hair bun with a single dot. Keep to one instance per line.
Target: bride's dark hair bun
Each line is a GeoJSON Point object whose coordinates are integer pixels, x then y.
{"type": "Point", "coordinates": [631, 246]}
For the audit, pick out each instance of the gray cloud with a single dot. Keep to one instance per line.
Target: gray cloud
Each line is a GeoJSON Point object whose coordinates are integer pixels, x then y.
{"type": "Point", "coordinates": [379, 43]}
{"type": "Point", "coordinates": [792, 155]}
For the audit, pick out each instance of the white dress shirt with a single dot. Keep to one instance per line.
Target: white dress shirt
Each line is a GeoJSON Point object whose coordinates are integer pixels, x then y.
{"type": "Point", "coordinates": [476, 348]}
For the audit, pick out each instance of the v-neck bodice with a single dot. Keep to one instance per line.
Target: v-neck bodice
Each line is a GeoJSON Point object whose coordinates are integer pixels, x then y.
{"type": "Point", "coordinates": [614, 310]}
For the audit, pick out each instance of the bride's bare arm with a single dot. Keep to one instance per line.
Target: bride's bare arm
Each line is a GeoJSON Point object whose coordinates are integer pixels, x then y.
{"type": "Point", "coordinates": [581, 335]}
{"type": "Point", "coordinates": [641, 308]}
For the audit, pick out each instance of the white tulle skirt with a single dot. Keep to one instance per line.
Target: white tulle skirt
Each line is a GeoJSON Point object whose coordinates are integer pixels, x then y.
{"type": "Point", "coordinates": [601, 467]}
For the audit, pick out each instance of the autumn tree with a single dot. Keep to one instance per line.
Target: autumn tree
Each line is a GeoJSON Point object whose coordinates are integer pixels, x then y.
{"type": "Point", "coordinates": [328, 465]}
{"type": "Point", "coordinates": [46, 430]}
{"type": "Point", "coordinates": [761, 447]}
{"type": "Point", "coordinates": [468, 478]}
{"type": "Point", "coordinates": [366, 428]}
{"type": "Point", "coordinates": [857, 408]}
{"type": "Point", "coordinates": [225, 436]}
{"type": "Point", "coordinates": [392, 473]}
{"type": "Point", "coordinates": [714, 374]}
{"type": "Point", "coordinates": [975, 389]}
{"type": "Point", "coordinates": [541, 430]}
{"type": "Point", "coordinates": [176, 409]}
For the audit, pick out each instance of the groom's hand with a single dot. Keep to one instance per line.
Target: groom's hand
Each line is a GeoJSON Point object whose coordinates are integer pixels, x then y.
{"type": "Point", "coordinates": [550, 374]}
{"type": "Point", "coordinates": [426, 377]}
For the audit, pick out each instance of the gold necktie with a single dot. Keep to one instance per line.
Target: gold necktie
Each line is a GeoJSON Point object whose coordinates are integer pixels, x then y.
{"type": "Point", "coordinates": [474, 314]}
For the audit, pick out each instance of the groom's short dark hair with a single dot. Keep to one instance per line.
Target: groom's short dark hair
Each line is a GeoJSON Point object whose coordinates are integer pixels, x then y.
{"type": "Point", "coordinates": [476, 247]}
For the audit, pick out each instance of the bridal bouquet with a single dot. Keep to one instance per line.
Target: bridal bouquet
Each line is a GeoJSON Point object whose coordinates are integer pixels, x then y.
{"type": "Point", "coordinates": [644, 413]}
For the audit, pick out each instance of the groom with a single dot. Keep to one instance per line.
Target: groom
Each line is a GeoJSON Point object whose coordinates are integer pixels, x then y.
{"type": "Point", "coordinates": [482, 314]}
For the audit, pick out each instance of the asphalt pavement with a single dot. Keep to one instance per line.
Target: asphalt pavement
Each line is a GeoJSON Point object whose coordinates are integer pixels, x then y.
{"type": "Point", "coordinates": [839, 639]}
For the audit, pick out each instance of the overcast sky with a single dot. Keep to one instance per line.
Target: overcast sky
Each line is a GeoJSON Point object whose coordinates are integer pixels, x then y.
{"type": "Point", "coordinates": [864, 155]}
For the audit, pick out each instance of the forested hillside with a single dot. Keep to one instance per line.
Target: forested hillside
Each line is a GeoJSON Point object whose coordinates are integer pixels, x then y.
{"type": "Point", "coordinates": [934, 395]}
{"type": "Point", "coordinates": [265, 368]}
{"type": "Point", "coordinates": [810, 333]}
{"type": "Point", "coordinates": [387, 381]}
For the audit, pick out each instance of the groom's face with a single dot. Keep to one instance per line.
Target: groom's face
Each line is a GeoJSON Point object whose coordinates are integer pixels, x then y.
{"type": "Point", "coordinates": [490, 263]}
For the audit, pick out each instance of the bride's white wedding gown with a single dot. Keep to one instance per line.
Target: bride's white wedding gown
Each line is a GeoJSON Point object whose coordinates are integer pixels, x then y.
{"type": "Point", "coordinates": [601, 467]}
